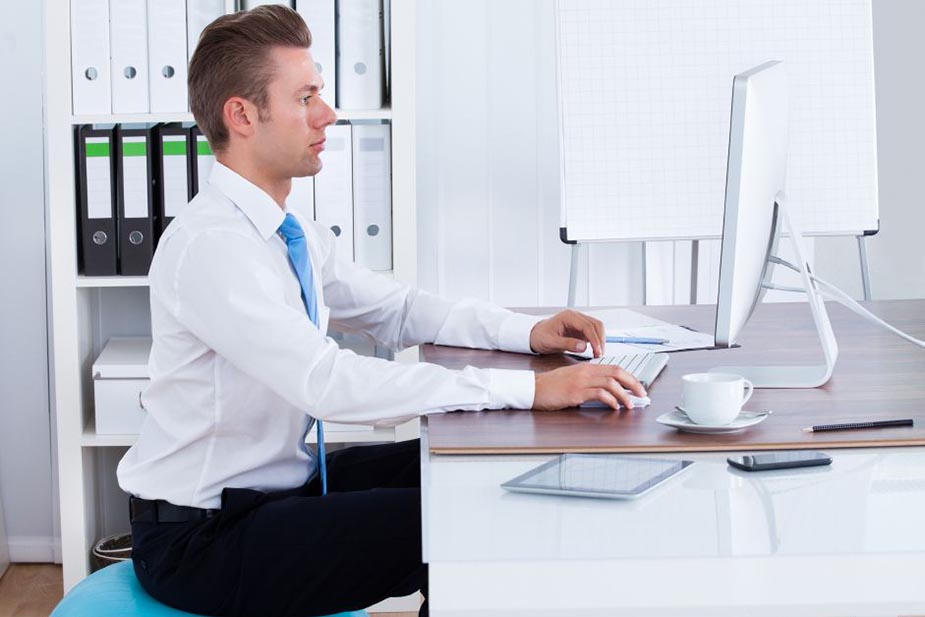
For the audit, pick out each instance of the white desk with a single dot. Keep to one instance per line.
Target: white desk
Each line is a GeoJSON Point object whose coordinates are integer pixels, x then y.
{"type": "Point", "coordinates": [845, 540]}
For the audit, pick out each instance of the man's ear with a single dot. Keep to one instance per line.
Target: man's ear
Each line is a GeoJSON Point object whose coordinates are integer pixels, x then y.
{"type": "Point", "coordinates": [240, 116]}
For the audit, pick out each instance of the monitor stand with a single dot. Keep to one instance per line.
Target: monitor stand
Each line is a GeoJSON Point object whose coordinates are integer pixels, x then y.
{"type": "Point", "coordinates": [794, 376]}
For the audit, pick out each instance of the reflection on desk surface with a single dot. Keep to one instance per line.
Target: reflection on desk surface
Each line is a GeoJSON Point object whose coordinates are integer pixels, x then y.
{"type": "Point", "coordinates": [867, 502]}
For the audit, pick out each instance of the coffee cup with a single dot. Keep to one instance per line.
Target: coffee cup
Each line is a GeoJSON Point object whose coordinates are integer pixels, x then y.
{"type": "Point", "coordinates": [714, 398]}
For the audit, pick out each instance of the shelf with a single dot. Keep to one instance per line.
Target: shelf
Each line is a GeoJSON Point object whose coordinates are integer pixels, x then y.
{"type": "Point", "coordinates": [112, 281]}
{"type": "Point", "coordinates": [89, 438]}
{"type": "Point", "coordinates": [175, 116]}
{"type": "Point", "coordinates": [364, 114]}
{"type": "Point", "coordinates": [342, 114]}
{"type": "Point", "coordinates": [142, 281]}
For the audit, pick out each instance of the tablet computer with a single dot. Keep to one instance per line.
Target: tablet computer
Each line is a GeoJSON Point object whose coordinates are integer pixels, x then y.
{"type": "Point", "coordinates": [605, 476]}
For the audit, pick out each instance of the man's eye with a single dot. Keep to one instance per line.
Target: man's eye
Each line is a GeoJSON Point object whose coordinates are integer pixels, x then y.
{"type": "Point", "coordinates": [305, 99]}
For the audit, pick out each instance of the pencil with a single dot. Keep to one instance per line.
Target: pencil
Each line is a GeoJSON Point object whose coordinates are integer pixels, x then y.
{"type": "Point", "coordinates": [850, 426]}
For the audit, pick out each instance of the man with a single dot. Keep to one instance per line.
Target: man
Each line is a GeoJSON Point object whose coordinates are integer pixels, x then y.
{"type": "Point", "coordinates": [229, 511]}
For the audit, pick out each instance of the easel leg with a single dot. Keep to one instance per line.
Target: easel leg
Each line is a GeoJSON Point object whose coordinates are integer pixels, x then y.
{"type": "Point", "coordinates": [865, 268]}
{"type": "Point", "coordinates": [645, 274]}
{"type": "Point", "coordinates": [573, 274]}
{"type": "Point", "coordinates": [695, 268]}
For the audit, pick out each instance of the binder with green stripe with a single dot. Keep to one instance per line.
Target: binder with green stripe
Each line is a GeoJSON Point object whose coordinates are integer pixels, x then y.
{"type": "Point", "coordinates": [174, 172]}
{"type": "Point", "coordinates": [202, 162]}
{"type": "Point", "coordinates": [94, 156]}
{"type": "Point", "coordinates": [135, 199]}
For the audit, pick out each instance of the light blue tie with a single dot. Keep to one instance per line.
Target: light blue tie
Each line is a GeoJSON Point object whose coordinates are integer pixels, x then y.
{"type": "Point", "coordinates": [301, 263]}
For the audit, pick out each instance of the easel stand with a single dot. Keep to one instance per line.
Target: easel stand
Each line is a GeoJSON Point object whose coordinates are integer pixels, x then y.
{"type": "Point", "coordinates": [578, 248]}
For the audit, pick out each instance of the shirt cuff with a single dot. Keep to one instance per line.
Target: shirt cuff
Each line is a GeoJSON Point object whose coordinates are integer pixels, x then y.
{"type": "Point", "coordinates": [514, 333]}
{"type": "Point", "coordinates": [511, 389]}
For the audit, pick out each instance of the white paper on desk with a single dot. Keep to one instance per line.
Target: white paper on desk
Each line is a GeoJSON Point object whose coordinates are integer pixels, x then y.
{"type": "Point", "coordinates": [679, 338]}
{"type": "Point", "coordinates": [624, 322]}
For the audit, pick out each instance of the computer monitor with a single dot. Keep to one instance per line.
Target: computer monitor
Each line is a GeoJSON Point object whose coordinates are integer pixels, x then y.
{"type": "Point", "coordinates": [755, 216]}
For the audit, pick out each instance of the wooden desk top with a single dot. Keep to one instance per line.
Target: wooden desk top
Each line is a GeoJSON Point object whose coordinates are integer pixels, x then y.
{"type": "Point", "coordinates": [877, 376]}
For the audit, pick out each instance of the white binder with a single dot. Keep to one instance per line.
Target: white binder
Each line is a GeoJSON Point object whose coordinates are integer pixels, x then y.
{"type": "Point", "coordinates": [360, 59]}
{"type": "Point", "coordinates": [302, 197]}
{"type": "Point", "coordinates": [319, 16]}
{"type": "Point", "coordinates": [199, 14]}
{"type": "Point", "coordinates": [372, 196]}
{"type": "Point", "coordinates": [90, 70]}
{"type": "Point", "coordinates": [167, 59]}
{"type": "Point", "coordinates": [128, 31]}
{"type": "Point", "coordinates": [334, 188]}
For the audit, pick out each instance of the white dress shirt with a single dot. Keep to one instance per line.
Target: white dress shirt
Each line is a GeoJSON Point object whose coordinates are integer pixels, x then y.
{"type": "Point", "coordinates": [238, 371]}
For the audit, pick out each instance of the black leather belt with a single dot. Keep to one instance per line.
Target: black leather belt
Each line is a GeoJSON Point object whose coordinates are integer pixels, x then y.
{"type": "Point", "coordinates": [160, 511]}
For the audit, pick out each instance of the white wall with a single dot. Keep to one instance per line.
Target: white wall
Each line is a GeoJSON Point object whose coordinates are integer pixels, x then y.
{"type": "Point", "coordinates": [25, 449]}
{"type": "Point", "coordinates": [897, 252]}
{"type": "Point", "coordinates": [488, 168]}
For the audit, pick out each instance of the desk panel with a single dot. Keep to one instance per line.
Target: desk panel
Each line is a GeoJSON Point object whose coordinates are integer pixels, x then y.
{"type": "Point", "coordinates": [877, 376]}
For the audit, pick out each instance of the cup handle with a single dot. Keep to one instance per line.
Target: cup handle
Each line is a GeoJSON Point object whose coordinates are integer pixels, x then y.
{"type": "Point", "coordinates": [749, 390]}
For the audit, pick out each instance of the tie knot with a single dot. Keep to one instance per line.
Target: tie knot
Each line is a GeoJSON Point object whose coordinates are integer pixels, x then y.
{"type": "Point", "coordinates": [290, 229]}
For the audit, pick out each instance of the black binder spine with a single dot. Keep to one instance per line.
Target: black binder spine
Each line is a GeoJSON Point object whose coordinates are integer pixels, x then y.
{"type": "Point", "coordinates": [172, 142]}
{"type": "Point", "coordinates": [96, 174]}
{"type": "Point", "coordinates": [201, 150]}
{"type": "Point", "coordinates": [135, 199]}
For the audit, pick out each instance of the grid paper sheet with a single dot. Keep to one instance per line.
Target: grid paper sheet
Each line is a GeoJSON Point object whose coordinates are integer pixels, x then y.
{"type": "Point", "coordinates": [645, 91]}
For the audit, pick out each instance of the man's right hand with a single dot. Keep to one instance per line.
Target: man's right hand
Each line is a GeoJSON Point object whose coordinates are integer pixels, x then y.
{"type": "Point", "coordinates": [570, 386]}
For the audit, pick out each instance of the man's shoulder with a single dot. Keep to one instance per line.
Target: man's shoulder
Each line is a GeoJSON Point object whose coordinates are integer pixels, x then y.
{"type": "Point", "coordinates": [209, 216]}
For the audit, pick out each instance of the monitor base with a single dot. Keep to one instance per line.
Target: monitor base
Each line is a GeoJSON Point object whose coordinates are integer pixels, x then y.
{"type": "Point", "coordinates": [796, 376]}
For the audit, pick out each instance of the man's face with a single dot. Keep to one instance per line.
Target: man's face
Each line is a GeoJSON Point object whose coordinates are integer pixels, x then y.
{"type": "Point", "coordinates": [290, 143]}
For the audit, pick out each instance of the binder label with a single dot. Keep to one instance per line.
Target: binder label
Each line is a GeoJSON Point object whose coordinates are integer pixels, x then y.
{"type": "Point", "coordinates": [135, 177]}
{"type": "Point", "coordinates": [175, 172]}
{"type": "Point", "coordinates": [99, 178]}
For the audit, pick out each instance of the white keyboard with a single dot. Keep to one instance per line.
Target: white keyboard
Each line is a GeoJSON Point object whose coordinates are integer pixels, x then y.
{"type": "Point", "coordinates": [644, 366]}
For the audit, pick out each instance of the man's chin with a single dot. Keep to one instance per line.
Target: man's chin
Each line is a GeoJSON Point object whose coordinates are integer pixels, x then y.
{"type": "Point", "coordinates": [308, 170]}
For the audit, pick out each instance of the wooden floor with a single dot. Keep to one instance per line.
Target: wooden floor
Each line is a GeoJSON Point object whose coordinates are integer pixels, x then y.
{"type": "Point", "coordinates": [33, 590]}
{"type": "Point", "coordinates": [30, 590]}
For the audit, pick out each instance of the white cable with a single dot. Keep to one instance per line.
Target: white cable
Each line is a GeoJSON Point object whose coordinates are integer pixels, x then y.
{"type": "Point", "coordinates": [834, 293]}
{"type": "Point", "coordinates": [776, 287]}
{"type": "Point", "coordinates": [838, 295]}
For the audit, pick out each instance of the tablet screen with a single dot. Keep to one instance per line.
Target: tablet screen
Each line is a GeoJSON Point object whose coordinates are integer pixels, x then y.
{"type": "Point", "coordinates": [597, 475]}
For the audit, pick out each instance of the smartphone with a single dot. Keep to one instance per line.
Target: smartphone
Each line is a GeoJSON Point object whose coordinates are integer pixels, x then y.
{"type": "Point", "coordinates": [779, 460]}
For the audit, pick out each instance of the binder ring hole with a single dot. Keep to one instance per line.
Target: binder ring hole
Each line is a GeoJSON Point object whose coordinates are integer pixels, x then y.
{"type": "Point", "coordinates": [91, 73]}
{"type": "Point", "coordinates": [168, 71]}
{"type": "Point", "coordinates": [100, 238]}
{"type": "Point", "coordinates": [130, 72]}
{"type": "Point", "coordinates": [373, 230]}
{"type": "Point", "coordinates": [336, 229]}
{"type": "Point", "coordinates": [136, 237]}
{"type": "Point", "coordinates": [360, 68]}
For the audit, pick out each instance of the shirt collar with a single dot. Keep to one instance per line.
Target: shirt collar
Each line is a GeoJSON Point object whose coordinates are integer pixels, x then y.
{"type": "Point", "coordinates": [253, 201]}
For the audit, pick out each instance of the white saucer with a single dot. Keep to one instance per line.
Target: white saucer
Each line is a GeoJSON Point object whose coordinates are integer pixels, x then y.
{"type": "Point", "coordinates": [679, 420]}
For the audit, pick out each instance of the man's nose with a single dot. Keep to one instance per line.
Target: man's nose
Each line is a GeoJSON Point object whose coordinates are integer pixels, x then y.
{"type": "Point", "coordinates": [328, 115]}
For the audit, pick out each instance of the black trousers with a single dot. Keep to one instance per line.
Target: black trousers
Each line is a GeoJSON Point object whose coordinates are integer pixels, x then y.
{"type": "Point", "coordinates": [295, 553]}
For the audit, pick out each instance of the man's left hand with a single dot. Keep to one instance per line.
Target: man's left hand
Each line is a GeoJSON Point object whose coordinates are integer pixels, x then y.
{"type": "Point", "coordinates": [568, 331]}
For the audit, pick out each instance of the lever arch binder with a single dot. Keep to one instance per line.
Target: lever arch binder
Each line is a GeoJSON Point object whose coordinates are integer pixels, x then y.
{"type": "Point", "coordinates": [96, 201]}
{"type": "Point", "coordinates": [135, 200]}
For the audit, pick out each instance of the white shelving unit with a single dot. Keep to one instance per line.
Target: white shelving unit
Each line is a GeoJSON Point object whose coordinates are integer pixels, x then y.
{"type": "Point", "coordinates": [86, 311]}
